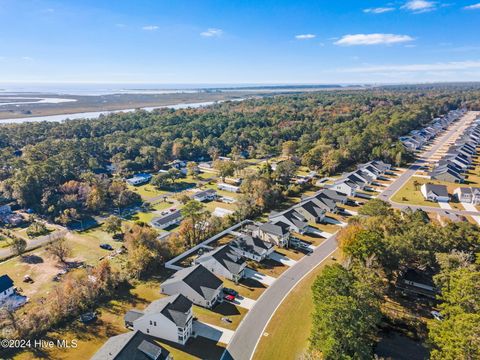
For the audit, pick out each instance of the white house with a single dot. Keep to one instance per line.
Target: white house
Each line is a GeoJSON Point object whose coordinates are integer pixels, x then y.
{"type": "Point", "coordinates": [228, 187]}
{"type": "Point", "coordinates": [7, 287]}
{"type": "Point", "coordinates": [168, 318]}
{"type": "Point", "coordinates": [205, 195]}
{"type": "Point", "coordinates": [139, 179]}
{"type": "Point", "coordinates": [436, 193]}
{"type": "Point", "coordinates": [469, 195]}
{"type": "Point", "coordinates": [197, 284]}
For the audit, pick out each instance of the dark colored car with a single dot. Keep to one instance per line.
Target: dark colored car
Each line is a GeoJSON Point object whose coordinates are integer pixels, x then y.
{"type": "Point", "coordinates": [229, 291]}
{"type": "Point", "coordinates": [106, 246]}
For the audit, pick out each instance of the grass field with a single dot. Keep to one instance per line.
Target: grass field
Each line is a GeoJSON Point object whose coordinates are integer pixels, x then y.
{"type": "Point", "coordinates": [410, 194]}
{"type": "Point", "coordinates": [289, 328]}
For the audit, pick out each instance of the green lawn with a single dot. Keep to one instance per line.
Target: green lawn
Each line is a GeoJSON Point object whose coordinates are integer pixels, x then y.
{"type": "Point", "coordinates": [409, 194]}
{"type": "Point", "coordinates": [286, 336]}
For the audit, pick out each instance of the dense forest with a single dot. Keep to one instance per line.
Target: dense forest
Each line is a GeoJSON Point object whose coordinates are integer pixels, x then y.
{"type": "Point", "coordinates": [354, 302]}
{"type": "Point", "coordinates": [53, 167]}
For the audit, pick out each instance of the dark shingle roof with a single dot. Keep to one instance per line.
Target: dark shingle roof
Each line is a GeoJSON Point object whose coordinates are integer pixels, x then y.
{"type": "Point", "coordinates": [132, 315]}
{"type": "Point", "coordinates": [176, 215]}
{"type": "Point", "coordinates": [200, 279]}
{"type": "Point", "coordinates": [175, 308]}
{"type": "Point", "coordinates": [228, 258]}
{"type": "Point", "coordinates": [133, 345]}
{"type": "Point", "coordinates": [279, 228]}
{"type": "Point", "coordinates": [5, 282]}
{"type": "Point", "coordinates": [312, 209]}
{"type": "Point", "coordinates": [439, 190]}
{"type": "Point", "coordinates": [251, 244]}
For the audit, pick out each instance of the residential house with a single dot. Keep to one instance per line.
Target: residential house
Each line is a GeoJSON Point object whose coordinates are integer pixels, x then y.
{"type": "Point", "coordinates": [446, 174]}
{"type": "Point", "coordinates": [228, 187]}
{"type": "Point", "coordinates": [133, 345]}
{"type": "Point", "coordinates": [169, 318]}
{"type": "Point", "coordinates": [296, 221]}
{"type": "Point", "coordinates": [224, 261]}
{"type": "Point", "coordinates": [7, 287]}
{"type": "Point", "coordinates": [197, 284]}
{"type": "Point", "coordinates": [205, 195]}
{"type": "Point", "coordinates": [418, 282]}
{"type": "Point", "coordinates": [346, 187]}
{"type": "Point", "coordinates": [311, 211]}
{"type": "Point", "coordinates": [470, 195]}
{"type": "Point", "coordinates": [252, 247]}
{"type": "Point", "coordinates": [278, 233]}
{"type": "Point", "coordinates": [168, 220]}
{"type": "Point", "coordinates": [139, 179]}
{"type": "Point", "coordinates": [436, 193]}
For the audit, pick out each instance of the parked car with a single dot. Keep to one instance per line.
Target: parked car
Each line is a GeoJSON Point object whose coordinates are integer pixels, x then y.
{"type": "Point", "coordinates": [229, 297]}
{"type": "Point", "coordinates": [27, 279]}
{"type": "Point", "coordinates": [173, 209]}
{"type": "Point", "coordinates": [436, 315]}
{"type": "Point", "coordinates": [229, 291]}
{"type": "Point", "coordinates": [106, 246]}
{"type": "Point", "coordinates": [88, 316]}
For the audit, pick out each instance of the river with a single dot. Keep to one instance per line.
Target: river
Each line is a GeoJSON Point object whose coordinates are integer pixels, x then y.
{"type": "Point", "coordinates": [96, 114]}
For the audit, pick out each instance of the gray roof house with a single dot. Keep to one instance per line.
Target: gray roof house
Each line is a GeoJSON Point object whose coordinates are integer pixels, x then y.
{"type": "Point", "coordinates": [168, 318]}
{"type": "Point", "coordinates": [278, 233]}
{"type": "Point", "coordinates": [446, 174]}
{"type": "Point", "coordinates": [470, 195]}
{"type": "Point", "coordinates": [436, 193]}
{"type": "Point", "coordinates": [133, 345]}
{"type": "Point", "coordinates": [168, 220]}
{"type": "Point", "coordinates": [252, 247]}
{"type": "Point", "coordinates": [296, 221]}
{"type": "Point", "coordinates": [224, 261]}
{"type": "Point", "coordinates": [205, 195]}
{"type": "Point", "coordinates": [311, 211]}
{"type": "Point", "coordinates": [197, 284]}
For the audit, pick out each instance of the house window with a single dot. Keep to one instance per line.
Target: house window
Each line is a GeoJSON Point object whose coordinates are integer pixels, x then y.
{"type": "Point", "coordinates": [151, 323]}
{"type": "Point", "coordinates": [154, 323]}
{"type": "Point", "coordinates": [148, 331]}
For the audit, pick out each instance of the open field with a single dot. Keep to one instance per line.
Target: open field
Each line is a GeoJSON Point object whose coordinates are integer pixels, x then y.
{"type": "Point", "coordinates": [289, 328]}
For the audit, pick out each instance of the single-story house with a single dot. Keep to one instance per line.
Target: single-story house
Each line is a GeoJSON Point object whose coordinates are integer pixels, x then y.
{"type": "Point", "coordinates": [228, 187]}
{"type": "Point", "coordinates": [278, 233]}
{"type": "Point", "coordinates": [436, 193]}
{"type": "Point", "coordinates": [133, 345]}
{"type": "Point", "coordinates": [224, 261]}
{"type": "Point", "coordinates": [197, 284]}
{"type": "Point", "coordinates": [168, 220]}
{"type": "Point", "coordinates": [139, 179]}
{"type": "Point", "coordinates": [168, 318]}
{"type": "Point", "coordinates": [205, 195]}
{"type": "Point", "coordinates": [418, 282]}
{"type": "Point", "coordinates": [7, 287]}
{"type": "Point", "coordinates": [252, 247]}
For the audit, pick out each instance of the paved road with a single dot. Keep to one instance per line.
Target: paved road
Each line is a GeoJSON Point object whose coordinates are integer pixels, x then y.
{"type": "Point", "coordinates": [243, 343]}
{"type": "Point", "coordinates": [422, 160]}
{"type": "Point", "coordinates": [34, 243]}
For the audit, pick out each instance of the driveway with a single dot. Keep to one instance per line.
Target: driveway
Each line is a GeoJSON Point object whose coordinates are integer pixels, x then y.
{"type": "Point", "coordinates": [212, 332]}
{"type": "Point", "coordinates": [471, 207]}
{"type": "Point", "coordinates": [282, 259]}
{"type": "Point", "coordinates": [262, 278]}
{"type": "Point", "coordinates": [243, 302]}
{"type": "Point", "coordinates": [444, 205]}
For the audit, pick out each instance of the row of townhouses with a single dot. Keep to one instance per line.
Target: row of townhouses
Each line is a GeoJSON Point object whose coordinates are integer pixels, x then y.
{"type": "Point", "coordinates": [362, 178]}
{"type": "Point", "coordinates": [459, 157]}
{"type": "Point", "coordinates": [417, 138]}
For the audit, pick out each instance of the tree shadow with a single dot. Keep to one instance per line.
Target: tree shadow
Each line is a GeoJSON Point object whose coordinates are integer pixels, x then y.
{"type": "Point", "coordinates": [226, 309]}
{"type": "Point", "coordinates": [32, 259]}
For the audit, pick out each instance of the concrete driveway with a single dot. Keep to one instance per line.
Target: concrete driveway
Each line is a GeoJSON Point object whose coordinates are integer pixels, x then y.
{"type": "Point", "coordinates": [212, 332]}
{"type": "Point", "coordinates": [262, 278]}
{"type": "Point", "coordinates": [282, 259]}
{"type": "Point", "coordinates": [243, 302]}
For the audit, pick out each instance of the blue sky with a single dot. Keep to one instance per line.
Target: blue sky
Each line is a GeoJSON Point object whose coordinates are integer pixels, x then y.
{"type": "Point", "coordinates": [226, 41]}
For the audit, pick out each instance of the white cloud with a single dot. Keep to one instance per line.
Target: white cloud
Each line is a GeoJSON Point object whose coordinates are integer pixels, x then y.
{"type": "Point", "coordinates": [150, 27]}
{"type": "Point", "coordinates": [378, 10]}
{"type": "Point", "coordinates": [212, 32]}
{"type": "Point", "coordinates": [372, 39]}
{"type": "Point", "coordinates": [473, 7]}
{"type": "Point", "coordinates": [305, 36]}
{"type": "Point", "coordinates": [419, 6]}
{"type": "Point", "coordinates": [445, 66]}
